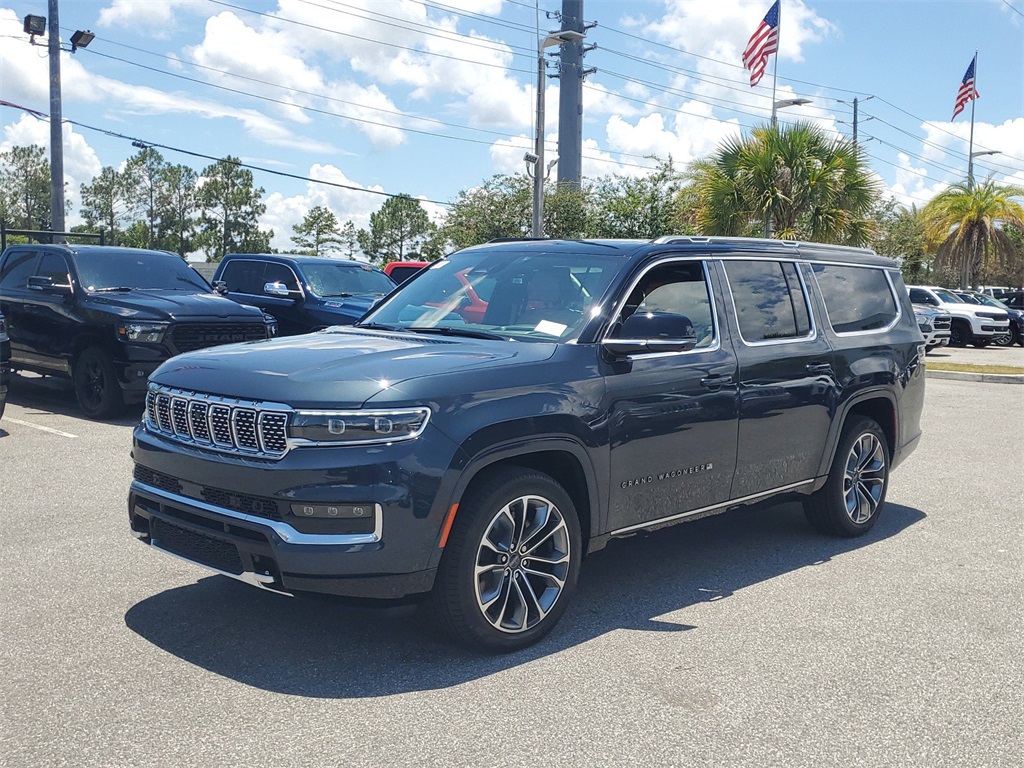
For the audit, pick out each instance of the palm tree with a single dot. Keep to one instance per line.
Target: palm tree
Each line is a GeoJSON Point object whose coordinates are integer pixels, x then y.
{"type": "Point", "coordinates": [813, 187]}
{"type": "Point", "coordinates": [965, 226]}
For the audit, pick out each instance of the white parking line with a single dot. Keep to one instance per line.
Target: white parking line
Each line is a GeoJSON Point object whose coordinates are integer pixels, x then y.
{"type": "Point", "coordinates": [51, 430]}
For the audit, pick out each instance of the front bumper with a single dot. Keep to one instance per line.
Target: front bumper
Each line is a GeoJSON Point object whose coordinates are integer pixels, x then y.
{"type": "Point", "coordinates": [235, 515]}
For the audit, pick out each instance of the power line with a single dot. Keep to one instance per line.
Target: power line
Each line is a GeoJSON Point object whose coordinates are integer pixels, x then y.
{"type": "Point", "coordinates": [1012, 8]}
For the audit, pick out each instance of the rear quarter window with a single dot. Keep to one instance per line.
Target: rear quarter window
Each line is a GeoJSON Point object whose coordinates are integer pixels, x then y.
{"type": "Point", "coordinates": [857, 299]}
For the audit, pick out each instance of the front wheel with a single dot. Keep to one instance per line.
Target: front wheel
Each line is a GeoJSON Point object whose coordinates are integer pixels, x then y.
{"type": "Point", "coordinates": [511, 561]}
{"type": "Point", "coordinates": [851, 499]}
{"type": "Point", "coordinates": [959, 334]}
{"type": "Point", "coordinates": [96, 387]}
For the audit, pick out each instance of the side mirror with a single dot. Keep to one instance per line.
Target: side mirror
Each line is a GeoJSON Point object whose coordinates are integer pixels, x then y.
{"type": "Point", "coordinates": [648, 332]}
{"type": "Point", "coordinates": [46, 285]}
{"type": "Point", "coordinates": [219, 286]}
{"type": "Point", "coordinates": [279, 289]}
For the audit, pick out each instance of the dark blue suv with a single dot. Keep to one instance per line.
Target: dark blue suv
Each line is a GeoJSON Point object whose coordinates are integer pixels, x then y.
{"type": "Point", "coordinates": [474, 455]}
{"type": "Point", "coordinates": [304, 293]}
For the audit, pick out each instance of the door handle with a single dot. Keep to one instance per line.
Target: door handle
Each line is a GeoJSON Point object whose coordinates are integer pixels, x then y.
{"type": "Point", "coordinates": [819, 368]}
{"type": "Point", "coordinates": [715, 381]}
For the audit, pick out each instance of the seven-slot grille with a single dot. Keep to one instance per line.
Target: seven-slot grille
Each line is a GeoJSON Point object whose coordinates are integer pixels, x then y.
{"type": "Point", "coordinates": [251, 429]}
{"type": "Point", "coordinates": [189, 336]}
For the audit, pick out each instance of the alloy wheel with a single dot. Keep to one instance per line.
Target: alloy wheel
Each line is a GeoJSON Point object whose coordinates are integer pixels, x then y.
{"type": "Point", "coordinates": [522, 564]}
{"type": "Point", "coordinates": [864, 478]}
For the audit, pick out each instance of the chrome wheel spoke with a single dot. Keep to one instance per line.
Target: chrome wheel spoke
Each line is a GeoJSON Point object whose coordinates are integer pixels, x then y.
{"type": "Point", "coordinates": [539, 610]}
{"type": "Point", "coordinates": [864, 479]}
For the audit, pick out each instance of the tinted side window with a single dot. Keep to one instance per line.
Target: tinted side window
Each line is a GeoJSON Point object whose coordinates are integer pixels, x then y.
{"type": "Point", "coordinates": [279, 273]}
{"type": "Point", "coordinates": [53, 266]}
{"type": "Point", "coordinates": [17, 269]}
{"type": "Point", "coordinates": [917, 295]}
{"type": "Point", "coordinates": [677, 289]}
{"type": "Point", "coordinates": [856, 298]}
{"type": "Point", "coordinates": [769, 300]}
{"type": "Point", "coordinates": [243, 276]}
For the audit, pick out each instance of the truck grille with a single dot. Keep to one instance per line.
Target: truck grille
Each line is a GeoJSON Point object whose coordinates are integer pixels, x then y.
{"type": "Point", "coordinates": [942, 322]}
{"type": "Point", "coordinates": [232, 426]}
{"type": "Point", "coordinates": [186, 337]}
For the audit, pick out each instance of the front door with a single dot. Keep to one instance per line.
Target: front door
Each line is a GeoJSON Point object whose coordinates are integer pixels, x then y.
{"type": "Point", "coordinates": [672, 415]}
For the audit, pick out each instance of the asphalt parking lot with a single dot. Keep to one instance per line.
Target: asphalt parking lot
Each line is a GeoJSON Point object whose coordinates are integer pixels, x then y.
{"type": "Point", "coordinates": [744, 639]}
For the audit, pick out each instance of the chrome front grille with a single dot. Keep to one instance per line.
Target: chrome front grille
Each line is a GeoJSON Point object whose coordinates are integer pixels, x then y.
{"type": "Point", "coordinates": [233, 426]}
{"type": "Point", "coordinates": [942, 322]}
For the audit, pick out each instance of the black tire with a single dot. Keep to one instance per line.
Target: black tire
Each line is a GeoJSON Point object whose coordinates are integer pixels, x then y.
{"type": "Point", "coordinates": [470, 570]}
{"type": "Point", "coordinates": [981, 343]}
{"type": "Point", "coordinates": [1006, 340]}
{"type": "Point", "coordinates": [96, 387]}
{"type": "Point", "coordinates": [852, 498]}
{"type": "Point", "coordinates": [959, 334]}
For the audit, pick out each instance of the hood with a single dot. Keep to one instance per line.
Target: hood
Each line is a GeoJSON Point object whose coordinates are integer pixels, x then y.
{"type": "Point", "coordinates": [338, 368]}
{"type": "Point", "coordinates": [171, 305]}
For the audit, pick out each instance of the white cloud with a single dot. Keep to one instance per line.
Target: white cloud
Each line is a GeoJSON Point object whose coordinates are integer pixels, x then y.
{"type": "Point", "coordinates": [154, 16]}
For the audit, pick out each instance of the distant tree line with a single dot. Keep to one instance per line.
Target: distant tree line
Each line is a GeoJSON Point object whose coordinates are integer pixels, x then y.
{"type": "Point", "coordinates": [806, 184]}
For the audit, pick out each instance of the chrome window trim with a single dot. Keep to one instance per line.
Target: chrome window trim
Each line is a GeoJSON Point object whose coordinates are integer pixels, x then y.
{"type": "Point", "coordinates": [713, 347]}
{"type": "Point", "coordinates": [892, 293]}
{"type": "Point", "coordinates": [720, 505]}
{"type": "Point", "coordinates": [811, 336]}
{"type": "Point", "coordinates": [284, 531]}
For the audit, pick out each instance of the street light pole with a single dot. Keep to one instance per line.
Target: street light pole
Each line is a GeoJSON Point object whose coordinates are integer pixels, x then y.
{"type": "Point", "coordinates": [776, 106]}
{"type": "Point", "coordinates": [56, 127]}
{"type": "Point", "coordinates": [970, 164]}
{"type": "Point", "coordinates": [540, 170]}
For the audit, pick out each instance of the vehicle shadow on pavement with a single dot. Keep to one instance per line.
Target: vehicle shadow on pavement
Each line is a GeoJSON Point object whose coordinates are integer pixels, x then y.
{"type": "Point", "coordinates": [322, 648]}
{"type": "Point", "coordinates": [54, 396]}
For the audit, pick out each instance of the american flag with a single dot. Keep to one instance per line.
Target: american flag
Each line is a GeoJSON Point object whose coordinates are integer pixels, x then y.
{"type": "Point", "coordinates": [967, 90]}
{"type": "Point", "coordinates": [762, 44]}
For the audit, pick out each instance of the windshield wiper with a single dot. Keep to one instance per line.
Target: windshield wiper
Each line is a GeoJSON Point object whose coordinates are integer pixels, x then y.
{"type": "Point", "coordinates": [116, 288]}
{"type": "Point", "coordinates": [447, 330]}
{"type": "Point", "coordinates": [379, 326]}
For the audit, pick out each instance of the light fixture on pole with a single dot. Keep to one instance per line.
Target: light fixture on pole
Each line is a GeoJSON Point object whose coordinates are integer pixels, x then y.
{"type": "Point", "coordinates": [970, 164]}
{"type": "Point", "coordinates": [540, 171]}
{"type": "Point", "coordinates": [33, 26]}
{"type": "Point", "coordinates": [783, 103]}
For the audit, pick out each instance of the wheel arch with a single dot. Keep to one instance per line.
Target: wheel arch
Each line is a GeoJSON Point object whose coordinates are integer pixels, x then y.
{"type": "Point", "coordinates": [562, 458]}
{"type": "Point", "coordinates": [880, 406]}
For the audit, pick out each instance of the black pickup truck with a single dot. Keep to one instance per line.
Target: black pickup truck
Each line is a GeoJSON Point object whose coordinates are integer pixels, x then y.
{"type": "Point", "coordinates": [106, 317]}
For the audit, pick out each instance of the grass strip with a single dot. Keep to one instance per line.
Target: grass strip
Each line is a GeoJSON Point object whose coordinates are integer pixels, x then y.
{"type": "Point", "coordinates": [971, 368]}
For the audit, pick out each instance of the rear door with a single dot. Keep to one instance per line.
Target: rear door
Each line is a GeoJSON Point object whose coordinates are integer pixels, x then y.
{"type": "Point", "coordinates": [18, 303]}
{"type": "Point", "coordinates": [787, 387]}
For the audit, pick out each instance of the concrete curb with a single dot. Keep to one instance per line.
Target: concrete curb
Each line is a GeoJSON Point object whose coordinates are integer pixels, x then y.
{"type": "Point", "coordinates": [988, 378]}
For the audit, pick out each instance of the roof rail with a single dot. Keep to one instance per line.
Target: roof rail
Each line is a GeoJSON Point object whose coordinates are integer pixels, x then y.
{"type": "Point", "coordinates": [514, 239]}
{"type": "Point", "coordinates": [705, 239]}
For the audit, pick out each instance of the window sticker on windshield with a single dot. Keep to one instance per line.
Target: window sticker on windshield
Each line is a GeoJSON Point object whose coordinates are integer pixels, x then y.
{"type": "Point", "coordinates": [550, 328]}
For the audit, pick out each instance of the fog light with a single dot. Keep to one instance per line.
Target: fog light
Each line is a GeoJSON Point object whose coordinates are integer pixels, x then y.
{"type": "Point", "coordinates": [339, 511]}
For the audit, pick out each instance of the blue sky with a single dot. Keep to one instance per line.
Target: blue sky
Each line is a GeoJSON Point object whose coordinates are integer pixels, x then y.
{"type": "Point", "coordinates": [430, 97]}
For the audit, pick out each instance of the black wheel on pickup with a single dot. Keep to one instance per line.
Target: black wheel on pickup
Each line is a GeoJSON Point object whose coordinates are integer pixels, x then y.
{"type": "Point", "coordinates": [851, 500]}
{"type": "Point", "coordinates": [96, 388]}
{"type": "Point", "coordinates": [959, 333]}
{"type": "Point", "coordinates": [511, 561]}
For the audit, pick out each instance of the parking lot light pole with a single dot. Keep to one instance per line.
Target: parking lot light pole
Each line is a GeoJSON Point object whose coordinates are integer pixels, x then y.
{"type": "Point", "coordinates": [540, 170]}
{"type": "Point", "coordinates": [776, 106]}
{"type": "Point", "coordinates": [970, 164]}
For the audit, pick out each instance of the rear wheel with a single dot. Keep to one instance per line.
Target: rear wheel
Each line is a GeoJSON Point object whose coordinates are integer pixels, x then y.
{"type": "Point", "coordinates": [96, 388]}
{"type": "Point", "coordinates": [1006, 340]}
{"type": "Point", "coordinates": [511, 561]}
{"type": "Point", "coordinates": [851, 499]}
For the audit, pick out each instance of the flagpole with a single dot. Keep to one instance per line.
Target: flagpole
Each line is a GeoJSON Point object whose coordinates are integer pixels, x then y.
{"type": "Point", "coordinates": [775, 75]}
{"type": "Point", "coordinates": [970, 145]}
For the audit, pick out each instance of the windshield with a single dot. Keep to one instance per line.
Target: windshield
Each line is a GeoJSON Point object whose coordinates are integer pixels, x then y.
{"type": "Point", "coordinates": [990, 302]}
{"type": "Point", "coordinates": [137, 269]}
{"type": "Point", "coordinates": [346, 279]}
{"type": "Point", "coordinates": [949, 296]}
{"type": "Point", "coordinates": [503, 294]}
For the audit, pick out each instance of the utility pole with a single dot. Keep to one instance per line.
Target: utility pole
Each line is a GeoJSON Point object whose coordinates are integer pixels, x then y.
{"type": "Point", "coordinates": [854, 121]}
{"type": "Point", "coordinates": [56, 127]}
{"type": "Point", "coordinates": [570, 96]}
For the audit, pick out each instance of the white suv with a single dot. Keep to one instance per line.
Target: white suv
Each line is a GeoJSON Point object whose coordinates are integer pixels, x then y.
{"type": "Point", "coordinates": [972, 323]}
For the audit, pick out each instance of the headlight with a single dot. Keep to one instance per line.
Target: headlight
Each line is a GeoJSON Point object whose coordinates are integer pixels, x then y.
{"type": "Point", "coordinates": [148, 333]}
{"type": "Point", "coordinates": [357, 427]}
{"type": "Point", "coordinates": [271, 322]}
{"type": "Point", "coordinates": [3, 330]}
